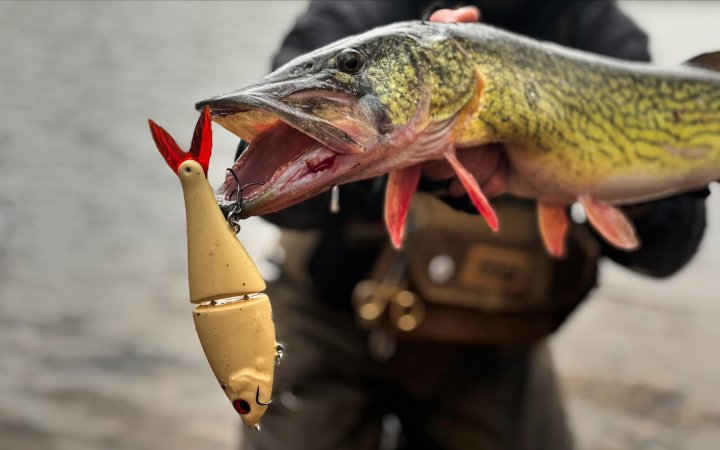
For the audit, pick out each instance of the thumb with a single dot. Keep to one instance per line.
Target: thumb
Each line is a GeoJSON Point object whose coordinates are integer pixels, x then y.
{"type": "Point", "coordinates": [465, 14]}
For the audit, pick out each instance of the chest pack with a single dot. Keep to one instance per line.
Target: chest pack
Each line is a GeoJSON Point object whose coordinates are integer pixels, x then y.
{"type": "Point", "coordinates": [455, 280]}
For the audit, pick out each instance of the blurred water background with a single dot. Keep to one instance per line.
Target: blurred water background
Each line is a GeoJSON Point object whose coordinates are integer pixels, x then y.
{"type": "Point", "coordinates": [97, 346]}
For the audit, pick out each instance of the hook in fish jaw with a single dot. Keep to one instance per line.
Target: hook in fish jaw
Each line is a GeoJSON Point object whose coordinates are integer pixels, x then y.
{"type": "Point", "coordinates": [233, 215]}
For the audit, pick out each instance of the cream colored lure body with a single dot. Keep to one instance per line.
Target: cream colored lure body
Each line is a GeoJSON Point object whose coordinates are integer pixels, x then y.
{"type": "Point", "coordinates": [233, 319]}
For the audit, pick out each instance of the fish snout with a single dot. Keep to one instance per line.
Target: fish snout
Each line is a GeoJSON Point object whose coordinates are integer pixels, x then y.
{"type": "Point", "coordinates": [224, 105]}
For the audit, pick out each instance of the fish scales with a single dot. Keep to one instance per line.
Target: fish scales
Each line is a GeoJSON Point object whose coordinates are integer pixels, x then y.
{"type": "Point", "coordinates": [571, 126]}
{"type": "Point", "coordinates": [593, 120]}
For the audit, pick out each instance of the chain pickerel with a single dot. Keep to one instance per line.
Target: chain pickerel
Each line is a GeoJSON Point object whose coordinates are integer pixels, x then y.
{"type": "Point", "coordinates": [574, 126]}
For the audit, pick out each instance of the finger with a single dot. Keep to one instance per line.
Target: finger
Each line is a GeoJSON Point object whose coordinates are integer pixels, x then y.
{"type": "Point", "coordinates": [456, 189]}
{"type": "Point", "coordinates": [480, 161]}
{"type": "Point", "coordinates": [487, 169]}
{"type": "Point", "coordinates": [465, 14]}
{"type": "Point", "coordinates": [437, 170]}
{"type": "Point", "coordinates": [497, 183]}
{"type": "Point", "coordinates": [486, 164]}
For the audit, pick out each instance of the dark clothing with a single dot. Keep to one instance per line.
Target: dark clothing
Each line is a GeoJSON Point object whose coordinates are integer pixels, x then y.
{"type": "Point", "coordinates": [332, 394]}
{"type": "Point", "coordinates": [597, 26]}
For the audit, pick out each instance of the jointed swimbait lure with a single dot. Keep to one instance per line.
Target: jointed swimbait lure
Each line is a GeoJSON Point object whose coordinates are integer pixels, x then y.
{"type": "Point", "coordinates": [574, 126]}
{"type": "Point", "coordinates": [233, 319]}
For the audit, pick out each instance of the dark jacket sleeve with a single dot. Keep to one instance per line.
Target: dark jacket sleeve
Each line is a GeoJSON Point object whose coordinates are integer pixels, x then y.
{"type": "Point", "coordinates": [327, 21]}
{"type": "Point", "coordinates": [670, 232]}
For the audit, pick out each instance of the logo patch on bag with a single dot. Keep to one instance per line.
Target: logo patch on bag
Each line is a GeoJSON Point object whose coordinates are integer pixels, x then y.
{"type": "Point", "coordinates": [499, 269]}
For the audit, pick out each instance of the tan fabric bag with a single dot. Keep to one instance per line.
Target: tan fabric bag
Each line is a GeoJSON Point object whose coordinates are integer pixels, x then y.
{"type": "Point", "coordinates": [457, 281]}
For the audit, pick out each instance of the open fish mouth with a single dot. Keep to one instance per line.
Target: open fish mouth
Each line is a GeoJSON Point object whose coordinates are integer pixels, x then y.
{"type": "Point", "coordinates": [298, 147]}
{"type": "Point", "coordinates": [281, 167]}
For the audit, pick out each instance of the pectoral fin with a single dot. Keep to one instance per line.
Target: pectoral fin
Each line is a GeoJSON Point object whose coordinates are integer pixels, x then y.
{"type": "Point", "coordinates": [400, 189]}
{"type": "Point", "coordinates": [611, 223]}
{"type": "Point", "coordinates": [553, 221]}
{"type": "Point", "coordinates": [473, 190]}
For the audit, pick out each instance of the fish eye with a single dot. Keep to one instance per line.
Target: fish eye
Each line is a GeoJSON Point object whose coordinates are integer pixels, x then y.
{"type": "Point", "coordinates": [350, 60]}
{"type": "Point", "coordinates": [241, 406]}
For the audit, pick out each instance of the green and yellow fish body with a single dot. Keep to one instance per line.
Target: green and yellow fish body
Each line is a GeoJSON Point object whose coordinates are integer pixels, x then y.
{"type": "Point", "coordinates": [573, 126]}
{"type": "Point", "coordinates": [579, 124]}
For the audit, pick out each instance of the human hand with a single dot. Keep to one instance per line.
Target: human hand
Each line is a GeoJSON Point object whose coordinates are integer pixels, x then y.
{"type": "Point", "coordinates": [465, 14]}
{"type": "Point", "coordinates": [487, 163]}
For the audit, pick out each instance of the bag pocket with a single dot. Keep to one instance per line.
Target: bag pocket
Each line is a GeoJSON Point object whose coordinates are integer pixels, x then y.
{"type": "Point", "coordinates": [455, 280]}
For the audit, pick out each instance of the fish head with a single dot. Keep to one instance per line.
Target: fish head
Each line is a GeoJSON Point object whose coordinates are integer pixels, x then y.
{"type": "Point", "coordinates": [351, 110]}
{"type": "Point", "coordinates": [250, 396]}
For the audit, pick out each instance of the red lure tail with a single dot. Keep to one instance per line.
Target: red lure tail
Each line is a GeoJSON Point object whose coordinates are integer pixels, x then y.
{"type": "Point", "coordinates": [200, 147]}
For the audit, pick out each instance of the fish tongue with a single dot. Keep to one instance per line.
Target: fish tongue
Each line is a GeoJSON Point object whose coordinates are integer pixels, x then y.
{"type": "Point", "coordinates": [553, 222]}
{"type": "Point", "coordinates": [611, 223]}
{"type": "Point", "coordinates": [473, 190]}
{"type": "Point", "coordinates": [400, 189]}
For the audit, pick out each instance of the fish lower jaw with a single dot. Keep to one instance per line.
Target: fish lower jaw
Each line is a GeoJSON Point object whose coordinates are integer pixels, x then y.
{"type": "Point", "coordinates": [298, 181]}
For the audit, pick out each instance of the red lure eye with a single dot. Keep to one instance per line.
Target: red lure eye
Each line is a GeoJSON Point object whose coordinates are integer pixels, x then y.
{"type": "Point", "coordinates": [241, 406]}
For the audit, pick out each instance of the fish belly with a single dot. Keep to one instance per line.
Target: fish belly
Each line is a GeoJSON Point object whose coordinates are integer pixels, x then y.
{"type": "Point", "coordinates": [563, 175]}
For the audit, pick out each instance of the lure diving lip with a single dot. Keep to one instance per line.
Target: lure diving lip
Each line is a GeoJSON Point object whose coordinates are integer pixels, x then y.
{"type": "Point", "coordinates": [234, 318]}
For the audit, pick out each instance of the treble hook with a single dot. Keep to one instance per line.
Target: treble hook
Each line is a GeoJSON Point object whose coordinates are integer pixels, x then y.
{"type": "Point", "coordinates": [280, 350]}
{"type": "Point", "coordinates": [257, 398]}
{"type": "Point", "coordinates": [233, 216]}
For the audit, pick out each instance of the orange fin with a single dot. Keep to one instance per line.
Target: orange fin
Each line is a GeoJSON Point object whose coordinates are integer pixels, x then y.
{"type": "Point", "coordinates": [400, 189]}
{"type": "Point", "coordinates": [473, 189]}
{"type": "Point", "coordinates": [553, 221]}
{"type": "Point", "coordinates": [611, 223]}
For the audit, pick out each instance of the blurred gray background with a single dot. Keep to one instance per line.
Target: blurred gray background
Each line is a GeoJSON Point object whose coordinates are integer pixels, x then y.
{"type": "Point", "coordinates": [97, 346]}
